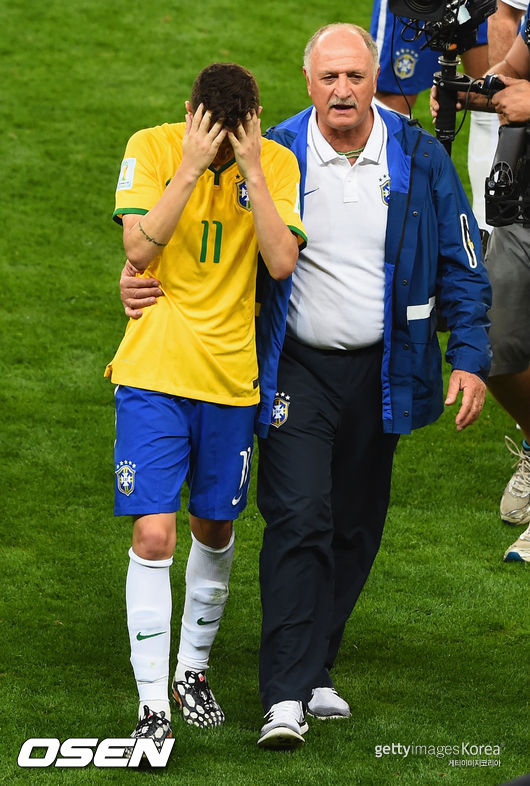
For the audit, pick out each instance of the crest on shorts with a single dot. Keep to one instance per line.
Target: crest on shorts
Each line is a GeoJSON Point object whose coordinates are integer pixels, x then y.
{"type": "Point", "coordinates": [242, 195]}
{"type": "Point", "coordinates": [125, 472]}
{"type": "Point", "coordinates": [405, 63]}
{"type": "Point", "coordinates": [280, 409]}
{"type": "Point", "coordinates": [384, 187]}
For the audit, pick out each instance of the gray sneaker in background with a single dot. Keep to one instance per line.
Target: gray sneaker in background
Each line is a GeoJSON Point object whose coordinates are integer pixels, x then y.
{"type": "Point", "coordinates": [515, 502]}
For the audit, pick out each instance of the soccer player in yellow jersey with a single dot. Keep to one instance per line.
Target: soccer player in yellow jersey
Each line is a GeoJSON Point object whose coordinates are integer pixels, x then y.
{"type": "Point", "coordinates": [198, 201]}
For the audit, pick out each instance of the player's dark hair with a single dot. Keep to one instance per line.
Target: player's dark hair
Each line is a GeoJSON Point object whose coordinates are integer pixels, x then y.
{"type": "Point", "coordinates": [228, 91]}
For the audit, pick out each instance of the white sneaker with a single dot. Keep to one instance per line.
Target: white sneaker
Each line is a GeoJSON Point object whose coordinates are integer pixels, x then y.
{"type": "Point", "coordinates": [515, 502]}
{"type": "Point", "coordinates": [520, 550]}
{"type": "Point", "coordinates": [284, 727]}
{"type": "Point", "coordinates": [326, 703]}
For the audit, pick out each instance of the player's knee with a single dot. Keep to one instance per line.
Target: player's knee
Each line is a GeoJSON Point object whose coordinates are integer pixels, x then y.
{"type": "Point", "coordinates": [153, 540]}
{"type": "Point", "coordinates": [214, 534]}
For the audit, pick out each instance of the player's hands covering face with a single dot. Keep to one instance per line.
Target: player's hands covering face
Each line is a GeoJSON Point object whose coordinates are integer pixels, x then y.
{"type": "Point", "coordinates": [201, 143]}
{"type": "Point", "coordinates": [246, 143]}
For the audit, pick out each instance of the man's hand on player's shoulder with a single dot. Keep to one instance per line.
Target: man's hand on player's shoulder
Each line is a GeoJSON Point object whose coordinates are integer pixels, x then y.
{"type": "Point", "coordinates": [137, 293]}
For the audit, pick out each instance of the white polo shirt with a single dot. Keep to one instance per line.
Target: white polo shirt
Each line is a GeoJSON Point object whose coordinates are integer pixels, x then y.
{"type": "Point", "coordinates": [338, 282]}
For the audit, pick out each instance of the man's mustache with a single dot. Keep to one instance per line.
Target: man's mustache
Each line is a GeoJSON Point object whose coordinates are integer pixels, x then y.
{"type": "Point", "coordinates": [348, 102]}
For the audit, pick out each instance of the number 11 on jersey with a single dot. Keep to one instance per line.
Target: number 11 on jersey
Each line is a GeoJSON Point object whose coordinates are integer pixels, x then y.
{"type": "Point", "coordinates": [217, 242]}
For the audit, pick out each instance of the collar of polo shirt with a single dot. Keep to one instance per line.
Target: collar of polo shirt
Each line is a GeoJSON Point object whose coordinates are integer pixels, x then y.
{"type": "Point", "coordinates": [373, 148]}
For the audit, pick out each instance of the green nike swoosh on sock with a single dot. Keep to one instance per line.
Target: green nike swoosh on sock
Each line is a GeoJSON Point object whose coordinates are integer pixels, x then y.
{"type": "Point", "coordinates": [140, 637]}
{"type": "Point", "coordinates": [200, 621]}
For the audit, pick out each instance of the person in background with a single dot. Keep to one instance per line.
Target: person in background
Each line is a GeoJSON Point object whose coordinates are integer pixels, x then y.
{"type": "Point", "coordinates": [508, 263]}
{"type": "Point", "coordinates": [406, 65]}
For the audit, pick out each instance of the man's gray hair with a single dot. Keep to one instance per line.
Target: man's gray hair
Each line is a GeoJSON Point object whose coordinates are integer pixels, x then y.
{"type": "Point", "coordinates": [367, 38]}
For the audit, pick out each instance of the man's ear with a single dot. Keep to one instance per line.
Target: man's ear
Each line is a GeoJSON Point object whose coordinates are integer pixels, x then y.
{"type": "Point", "coordinates": [308, 81]}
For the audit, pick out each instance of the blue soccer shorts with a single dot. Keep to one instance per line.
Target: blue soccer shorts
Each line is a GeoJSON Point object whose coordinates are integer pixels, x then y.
{"type": "Point", "coordinates": [413, 65]}
{"type": "Point", "coordinates": [163, 440]}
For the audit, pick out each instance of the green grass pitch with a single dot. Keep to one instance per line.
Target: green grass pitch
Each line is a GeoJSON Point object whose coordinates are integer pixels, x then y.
{"type": "Point", "coordinates": [435, 651]}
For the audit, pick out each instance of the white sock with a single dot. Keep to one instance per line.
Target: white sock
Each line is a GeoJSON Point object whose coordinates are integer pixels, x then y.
{"type": "Point", "coordinates": [155, 705]}
{"type": "Point", "coordinates": [483, 139]}
{"type": "Point", "coordinates": [148, 598]}
{"type": "Point", "coordinates": [207, 575]}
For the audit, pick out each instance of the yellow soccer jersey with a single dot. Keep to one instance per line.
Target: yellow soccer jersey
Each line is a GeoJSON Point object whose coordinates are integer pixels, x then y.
{"type": "Point", "coordinates": [198, 341]}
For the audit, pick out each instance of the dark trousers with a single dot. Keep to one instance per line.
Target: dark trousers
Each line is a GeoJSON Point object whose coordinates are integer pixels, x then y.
{"type": "Point", "coordinates": [323, 490]}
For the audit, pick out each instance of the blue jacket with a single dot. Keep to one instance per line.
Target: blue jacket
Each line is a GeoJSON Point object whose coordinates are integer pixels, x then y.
{"type": "Point", "coordinates": [433, 263]}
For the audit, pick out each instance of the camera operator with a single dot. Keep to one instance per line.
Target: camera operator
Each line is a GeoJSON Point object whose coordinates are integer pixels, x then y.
{"type": "Point", "coordinates": [408, 64]}
{"type": "Point", "coordinates": [503, 26]}
{"type": "Point", "coordinates": [502, 32]}
{"type": "Point", "coordinates": [508, 263]}
{"type": "Point", "coordinates": [484, 126]}
{"type": "Point", "coordinates": [513, 103]}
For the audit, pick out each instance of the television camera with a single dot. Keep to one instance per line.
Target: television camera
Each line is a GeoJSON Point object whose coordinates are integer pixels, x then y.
{"type": "Point", "coordinates": [451, 28]}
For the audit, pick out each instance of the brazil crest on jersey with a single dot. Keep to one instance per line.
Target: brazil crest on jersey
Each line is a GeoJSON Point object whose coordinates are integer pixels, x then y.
{"type": "Point", "coordinates": [198, 340]}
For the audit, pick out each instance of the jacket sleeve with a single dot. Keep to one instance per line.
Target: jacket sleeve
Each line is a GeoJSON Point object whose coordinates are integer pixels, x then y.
{"type": "Point", "coordinates": [463, 289]}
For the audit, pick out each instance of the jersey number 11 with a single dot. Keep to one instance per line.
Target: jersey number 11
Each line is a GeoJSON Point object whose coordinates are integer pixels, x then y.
{"type": "Point", "coordinates": [217, 242]}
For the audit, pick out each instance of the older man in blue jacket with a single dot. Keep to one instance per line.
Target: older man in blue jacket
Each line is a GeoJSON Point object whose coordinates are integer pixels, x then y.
{"type": "Point", "coordinates": [392, 242]}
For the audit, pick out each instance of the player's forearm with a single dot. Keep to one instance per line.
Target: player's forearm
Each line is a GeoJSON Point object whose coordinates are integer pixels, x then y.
{"type": "Point", "coordinates": [145, 237]}
{"type": "Point", "coordinates": [505, 68]}
{"type": "Point", "coordinates": [502, 30]}
{"type": "Point", "coordinates": [516, 63]}
{"type": "Point", "coordinates": [277, 244]}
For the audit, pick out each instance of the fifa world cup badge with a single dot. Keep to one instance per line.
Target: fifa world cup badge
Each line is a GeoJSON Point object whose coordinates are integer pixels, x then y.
{"type": "Point", "coordinates": [280, 409]}
{"type": "Point", "coordinates": [126, 178]}
{"type": "Point", "coordinates": [125, 472]}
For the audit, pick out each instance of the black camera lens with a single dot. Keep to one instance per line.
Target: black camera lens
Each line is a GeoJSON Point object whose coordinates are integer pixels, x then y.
{"type": "Point", "coordinates": [428, 10]}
